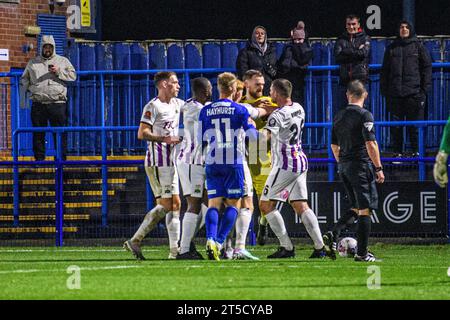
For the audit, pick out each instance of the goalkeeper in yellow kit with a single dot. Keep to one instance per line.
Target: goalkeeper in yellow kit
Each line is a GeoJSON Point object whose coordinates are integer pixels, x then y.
{"type": "Point", "coordinates": [254, 85]}
{"type": "Point", "coordinates": [440, 166]}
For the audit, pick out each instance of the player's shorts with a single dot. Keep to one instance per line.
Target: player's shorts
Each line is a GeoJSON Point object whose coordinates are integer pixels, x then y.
{"type": "Point", "coordinates": [163, 181]}
{"type": "Point", "coordinates": [192, 179]}
{"type": "Point", "coordinates": [248, 182]}
{"type": "Point", "coordinates": [283, 185]}
{"type": "Point", "coordinates": [359, 183]}
{"type": "Point", "coordinates": [225, 181]}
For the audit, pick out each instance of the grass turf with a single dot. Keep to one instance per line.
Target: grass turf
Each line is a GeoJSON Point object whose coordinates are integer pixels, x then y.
{"type": "Point", "coordinates": [407, 272]}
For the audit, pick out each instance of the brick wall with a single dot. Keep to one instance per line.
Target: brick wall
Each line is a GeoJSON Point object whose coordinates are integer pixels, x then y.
{"type": "Point", "coordinates": [14, 17]}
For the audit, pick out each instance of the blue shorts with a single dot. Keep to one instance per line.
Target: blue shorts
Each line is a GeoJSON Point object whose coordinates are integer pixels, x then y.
{"type": "Point", "coordinates": [225, 181]}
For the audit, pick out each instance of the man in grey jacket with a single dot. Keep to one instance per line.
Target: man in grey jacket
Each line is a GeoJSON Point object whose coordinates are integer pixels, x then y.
{"type": "Point", "coordinates": [45, 79]}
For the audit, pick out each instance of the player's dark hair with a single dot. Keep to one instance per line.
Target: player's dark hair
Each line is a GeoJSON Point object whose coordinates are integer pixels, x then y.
{"type": "Point", "coordinates": [283, 87]}
{"type": "Point", "coordinates": [163, 75]}
{"type": "Point", "coordinates": [251, 73]}
{"type": "Point", "coordinates": [356, 89]}
{"type": "Point", "coordinates": [200, 86]}
{"type": "Point", "coordinates": [352, 16]}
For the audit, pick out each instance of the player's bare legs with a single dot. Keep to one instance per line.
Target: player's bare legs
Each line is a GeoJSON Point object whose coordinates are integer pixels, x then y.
{"type": "Point", "coordinates": [276, 222]}
{"type": "Point", "coordinates": [311, 224]}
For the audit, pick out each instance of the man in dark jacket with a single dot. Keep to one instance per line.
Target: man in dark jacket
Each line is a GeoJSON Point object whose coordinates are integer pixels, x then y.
{"type": "Point", "coordinates": [258, 55]}
{"type": "Point", "coordinates": [352, 52]}
{"type": "Point", "coordinates": [294, 61]}
{"type": "Point", "coordinates": [405, 79]}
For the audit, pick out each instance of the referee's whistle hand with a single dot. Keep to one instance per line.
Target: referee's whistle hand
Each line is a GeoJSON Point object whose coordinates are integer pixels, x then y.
{"type": "Point", "coordinates": [380, 177]}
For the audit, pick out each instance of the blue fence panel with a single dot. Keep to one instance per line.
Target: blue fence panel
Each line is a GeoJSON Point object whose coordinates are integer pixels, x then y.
{"type": "Point", "coordinates": [176, 60]}
{"type": "Point", "coordinates": [279, 45]}
{"type": "Point", "coordinates": [212, 58]}
{"type": "Point", "coordinates": [229, 53]}
{"type": "Point", "coordinates": [193, 55]}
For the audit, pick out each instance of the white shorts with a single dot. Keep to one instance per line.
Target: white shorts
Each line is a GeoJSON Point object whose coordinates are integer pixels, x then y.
{"type": "Point", "coordinates": [248, 182]}
{"type": "Point", "coordinates": [283, 185]}
{"type": "Point", "coordinates": [163, 181]}
{"type": "Point", "coordinates": [192, 179]}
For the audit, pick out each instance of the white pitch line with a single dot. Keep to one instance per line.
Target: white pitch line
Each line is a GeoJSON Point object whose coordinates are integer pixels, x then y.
{"type": "Point", "coordinates": [64, 270]}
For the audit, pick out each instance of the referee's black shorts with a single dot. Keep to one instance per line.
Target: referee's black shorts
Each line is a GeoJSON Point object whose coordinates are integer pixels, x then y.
{"type": "Point", "coordinates": [359, 183]}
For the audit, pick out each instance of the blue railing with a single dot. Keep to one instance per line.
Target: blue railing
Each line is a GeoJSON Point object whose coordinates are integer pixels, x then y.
{"type": "Point", "coordinates": [59, 163]}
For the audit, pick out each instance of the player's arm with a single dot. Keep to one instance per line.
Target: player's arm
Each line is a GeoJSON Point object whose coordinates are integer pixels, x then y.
{"type": "Point", "coordinates": [145, 132]}
{"type": "Point", "coordinates": [368, 132]}
{"type": "Point", "coordinates": [335, 145]}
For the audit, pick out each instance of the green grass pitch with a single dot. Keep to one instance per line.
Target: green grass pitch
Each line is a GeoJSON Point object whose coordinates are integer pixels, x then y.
{"type": "Point", "coordinates": [406, 272]}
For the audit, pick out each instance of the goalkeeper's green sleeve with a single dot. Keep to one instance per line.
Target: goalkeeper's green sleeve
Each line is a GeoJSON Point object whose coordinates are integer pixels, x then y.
{"type": "Point", "coordinates": [445, 143]}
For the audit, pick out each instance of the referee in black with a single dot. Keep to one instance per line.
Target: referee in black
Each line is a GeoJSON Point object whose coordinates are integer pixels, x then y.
{"type": "Point", "coordinates": [356, 150]}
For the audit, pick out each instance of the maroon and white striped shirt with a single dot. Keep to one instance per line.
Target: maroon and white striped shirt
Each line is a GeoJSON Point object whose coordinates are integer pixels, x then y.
{"type": "Point", "coordinates": [286, 125]}
{"type": "Point", "coordinates": [165, 119]}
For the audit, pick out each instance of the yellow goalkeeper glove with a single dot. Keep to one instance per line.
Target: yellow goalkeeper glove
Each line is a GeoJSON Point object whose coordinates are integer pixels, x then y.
{"type": "Point", "coordinates": [440, 169]}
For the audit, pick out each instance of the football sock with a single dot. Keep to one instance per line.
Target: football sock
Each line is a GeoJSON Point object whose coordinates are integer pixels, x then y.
{"type": "Point", "coordinates": [173, 228]}
{"type": "Point", "coordinates": [311, 224]}
{"type": "Point", "coordinates": [345, 221]}
{"type": "Point", "coordinates": [242, 224]}
{"type": "Point", "coordinates": [226, 224]}
{"type": "Point", "coordinates": [150, 221]}
{"type": "Point", "coordinates": [364, 226]}
{"type": "Point", "coordinates": [211, 223]}
{"type": "Point", "coordinates": [277, 225]}
{"type": "Point", "coordinates": [189, 226]}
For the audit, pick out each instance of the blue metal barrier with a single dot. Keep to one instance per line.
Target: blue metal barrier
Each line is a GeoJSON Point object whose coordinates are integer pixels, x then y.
{"type": "Point", "coordinates": [124, 92]}
{"type": "Point", "coordinates": [59, 163]}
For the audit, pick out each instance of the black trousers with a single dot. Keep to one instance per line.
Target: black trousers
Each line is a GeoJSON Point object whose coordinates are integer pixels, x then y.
{"type": "Point", "coordinates": [41, 115]}
{"type": "Point", "coordinates": [410, 108]}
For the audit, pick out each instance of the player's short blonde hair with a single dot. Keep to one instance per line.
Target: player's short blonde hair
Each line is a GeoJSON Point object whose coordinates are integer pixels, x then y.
{"type": "Point", "coordinates": [225, 81]}
{"type": "Point", "coordinates": [240, 85]}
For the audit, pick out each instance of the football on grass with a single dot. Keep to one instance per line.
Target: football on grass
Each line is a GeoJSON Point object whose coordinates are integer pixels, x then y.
{"type": "Point", "coordinates": [347, 247]}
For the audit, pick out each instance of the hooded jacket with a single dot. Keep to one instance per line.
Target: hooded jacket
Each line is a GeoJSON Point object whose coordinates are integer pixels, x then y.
{"type": "Point", "coordinates": [353, 61]}
{"type": "Point", "coordinates": [44, 86]}
{"type": "Point", "coordinates": [262, 58]}
{"type": "Point", "coordinates": [406, 68]}
{"type": "Point", "coordinates": [294, 61]}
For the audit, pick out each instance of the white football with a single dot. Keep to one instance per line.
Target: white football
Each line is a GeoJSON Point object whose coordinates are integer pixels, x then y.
{"type": "Point", "coordinates": [347, 247]}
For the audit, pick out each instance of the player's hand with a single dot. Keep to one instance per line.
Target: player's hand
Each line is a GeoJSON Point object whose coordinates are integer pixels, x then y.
{"type": "Point", "coordinates": [380, 176]}
{"type": "Point", "coordinates": [440, 169]}
{"type": "Point", "coordinates": [261, 103]}
{"type": "Point", "coordinates": [252, 122]}
{"type": "Point", "coordinates": [172, 139]}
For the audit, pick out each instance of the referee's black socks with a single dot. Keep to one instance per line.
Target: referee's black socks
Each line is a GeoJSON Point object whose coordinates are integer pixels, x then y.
{"type": "Point", "coordinates": [345, 221]}
{"type": "Point", "coordinates": [364, 225]}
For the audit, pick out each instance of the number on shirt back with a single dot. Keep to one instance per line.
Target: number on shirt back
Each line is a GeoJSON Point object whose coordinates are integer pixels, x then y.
{"type": "Point", "coordinates": [228, 138]}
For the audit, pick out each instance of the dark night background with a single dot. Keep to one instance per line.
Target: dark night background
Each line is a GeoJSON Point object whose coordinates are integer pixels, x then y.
{"type": "Point", "coordinates": [211, 19]}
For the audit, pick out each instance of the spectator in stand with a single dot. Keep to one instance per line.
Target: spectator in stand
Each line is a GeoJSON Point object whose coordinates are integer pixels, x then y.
{"type": "Point", "coordinates": [352, 52]}
{"type": "Point", "coordinates": [45, 78]}
{"type": "Point", "coordinates": [405, 79]}
{"type": "Point", "coordinates": [294, 61]}
{"type": "Point", "coordinates": [259, 55]}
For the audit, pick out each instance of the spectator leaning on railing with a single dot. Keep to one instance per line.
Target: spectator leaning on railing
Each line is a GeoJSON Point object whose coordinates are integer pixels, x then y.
{"type": "Point", "coordinates": [294, 61]}
{"type": "Point", "coordinates": [405, 79]}
{"type": "Point", "coordinates": [45, 79]}
{"type": "Point", "coordinates": [259, 55]}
